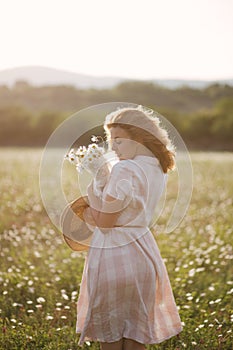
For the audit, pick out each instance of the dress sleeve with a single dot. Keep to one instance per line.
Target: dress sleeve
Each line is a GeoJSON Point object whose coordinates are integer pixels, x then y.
{"type": "Point", "coordinates": [119, 184]}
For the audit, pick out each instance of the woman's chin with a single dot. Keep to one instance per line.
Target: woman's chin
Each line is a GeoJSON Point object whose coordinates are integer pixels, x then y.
{"type": "Point", "coordinates": [122, 158]}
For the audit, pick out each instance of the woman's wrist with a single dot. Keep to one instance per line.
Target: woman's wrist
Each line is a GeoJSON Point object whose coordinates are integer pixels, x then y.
{"type": "Point", "coordinates": [88, 217]}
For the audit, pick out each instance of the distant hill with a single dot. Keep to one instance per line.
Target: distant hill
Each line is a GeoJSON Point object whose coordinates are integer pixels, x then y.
{"type": "Point", "coordinates": [41, 76]}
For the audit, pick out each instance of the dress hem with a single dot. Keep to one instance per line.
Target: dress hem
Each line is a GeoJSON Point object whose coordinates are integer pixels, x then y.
{"type": "Point", "coordinates": [158, 341]}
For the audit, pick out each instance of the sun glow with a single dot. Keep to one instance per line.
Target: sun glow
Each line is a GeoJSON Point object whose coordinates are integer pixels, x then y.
{"type": "Point", "coordinates": [153, 39]}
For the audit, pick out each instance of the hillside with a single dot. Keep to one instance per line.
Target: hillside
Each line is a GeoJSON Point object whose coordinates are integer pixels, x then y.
{"type": "Point", "coordinates": [40, 76]}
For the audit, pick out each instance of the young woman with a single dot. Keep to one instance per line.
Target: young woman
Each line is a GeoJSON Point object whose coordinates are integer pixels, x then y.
{"type": "Point", "coordinates": [125, 298]}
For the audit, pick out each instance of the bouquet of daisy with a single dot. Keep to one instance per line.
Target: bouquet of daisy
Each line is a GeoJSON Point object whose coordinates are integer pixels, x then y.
{"type": "Point", "coordinates": [92, 159]}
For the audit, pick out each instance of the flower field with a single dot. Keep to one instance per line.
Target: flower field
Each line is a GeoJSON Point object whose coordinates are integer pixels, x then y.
{"type": "Point", "coordinates": [40, 275]}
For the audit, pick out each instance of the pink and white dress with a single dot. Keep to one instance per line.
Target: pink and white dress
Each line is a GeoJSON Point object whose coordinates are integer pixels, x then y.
{"type": "Point", "coordinates": [125, 290]}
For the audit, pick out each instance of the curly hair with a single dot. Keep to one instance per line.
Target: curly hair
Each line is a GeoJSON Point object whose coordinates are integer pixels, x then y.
{"type": "Point", "coordinates": [143, 127]}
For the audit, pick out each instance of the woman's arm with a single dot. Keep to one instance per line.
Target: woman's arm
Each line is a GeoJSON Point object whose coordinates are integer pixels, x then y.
{"type": "Point", "coordinates": [104, 211]}
{"type": "Point", "coordinates": [107, 216]}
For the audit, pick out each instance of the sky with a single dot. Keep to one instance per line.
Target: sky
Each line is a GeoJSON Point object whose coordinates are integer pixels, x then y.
{"type": "Point", "coordinates": [149, 39]}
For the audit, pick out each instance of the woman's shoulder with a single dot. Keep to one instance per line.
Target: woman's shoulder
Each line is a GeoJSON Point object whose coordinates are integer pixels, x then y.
{"type": "Point", "coordinates": [124, 169]}
{"type": "Point", "coordinates": [124, 165]}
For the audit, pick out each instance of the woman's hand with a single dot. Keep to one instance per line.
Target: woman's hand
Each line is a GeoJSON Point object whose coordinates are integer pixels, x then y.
{"type": "Point", "coordinates": [100, 180]}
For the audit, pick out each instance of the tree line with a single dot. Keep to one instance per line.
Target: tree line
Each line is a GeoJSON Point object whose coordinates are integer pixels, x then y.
{"type": "Point", "coordinates": [204, 118]}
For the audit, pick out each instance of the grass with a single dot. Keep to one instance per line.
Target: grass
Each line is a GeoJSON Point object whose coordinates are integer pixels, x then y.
{"type": "Point", "coordinates": [40, 275]}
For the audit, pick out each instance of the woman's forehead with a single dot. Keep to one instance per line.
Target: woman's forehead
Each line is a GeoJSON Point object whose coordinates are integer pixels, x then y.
{"type": "Point", "coordinates": [117, 131]}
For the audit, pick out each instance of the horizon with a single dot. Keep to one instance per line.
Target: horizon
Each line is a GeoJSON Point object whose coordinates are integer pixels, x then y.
{"type": "Point", "coordinates": [112, 76]}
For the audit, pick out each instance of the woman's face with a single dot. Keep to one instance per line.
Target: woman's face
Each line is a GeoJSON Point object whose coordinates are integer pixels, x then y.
{"type": "Point", "coordinates": [121, 143]}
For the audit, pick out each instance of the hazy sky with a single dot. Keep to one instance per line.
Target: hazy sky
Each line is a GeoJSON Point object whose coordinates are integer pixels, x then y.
{"type": "Point", "coordinates": [189, 39]}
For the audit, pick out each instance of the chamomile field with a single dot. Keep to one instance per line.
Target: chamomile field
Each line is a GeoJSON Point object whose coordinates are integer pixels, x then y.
{"type": "Point", "coordinates": [40, 275]}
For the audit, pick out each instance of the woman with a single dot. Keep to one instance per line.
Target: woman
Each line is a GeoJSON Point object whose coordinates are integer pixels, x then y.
{"type": "Point", "coordinates": [125, 298]}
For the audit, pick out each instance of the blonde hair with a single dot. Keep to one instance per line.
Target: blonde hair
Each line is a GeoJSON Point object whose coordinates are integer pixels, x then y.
{"type": "Point", "coordinates": [143, 126]}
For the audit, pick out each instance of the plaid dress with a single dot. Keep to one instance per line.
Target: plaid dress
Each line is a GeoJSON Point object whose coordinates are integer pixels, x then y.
{"type": "Point", "coordinates": [125, 290]}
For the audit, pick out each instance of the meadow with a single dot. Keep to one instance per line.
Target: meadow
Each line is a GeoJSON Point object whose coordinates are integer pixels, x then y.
{"type": "Point", "coordinates": [40, 275]}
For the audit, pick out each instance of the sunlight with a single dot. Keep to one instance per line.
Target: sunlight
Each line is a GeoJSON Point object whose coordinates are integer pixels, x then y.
{"type": "Point", "coordinates": [161, 39]}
